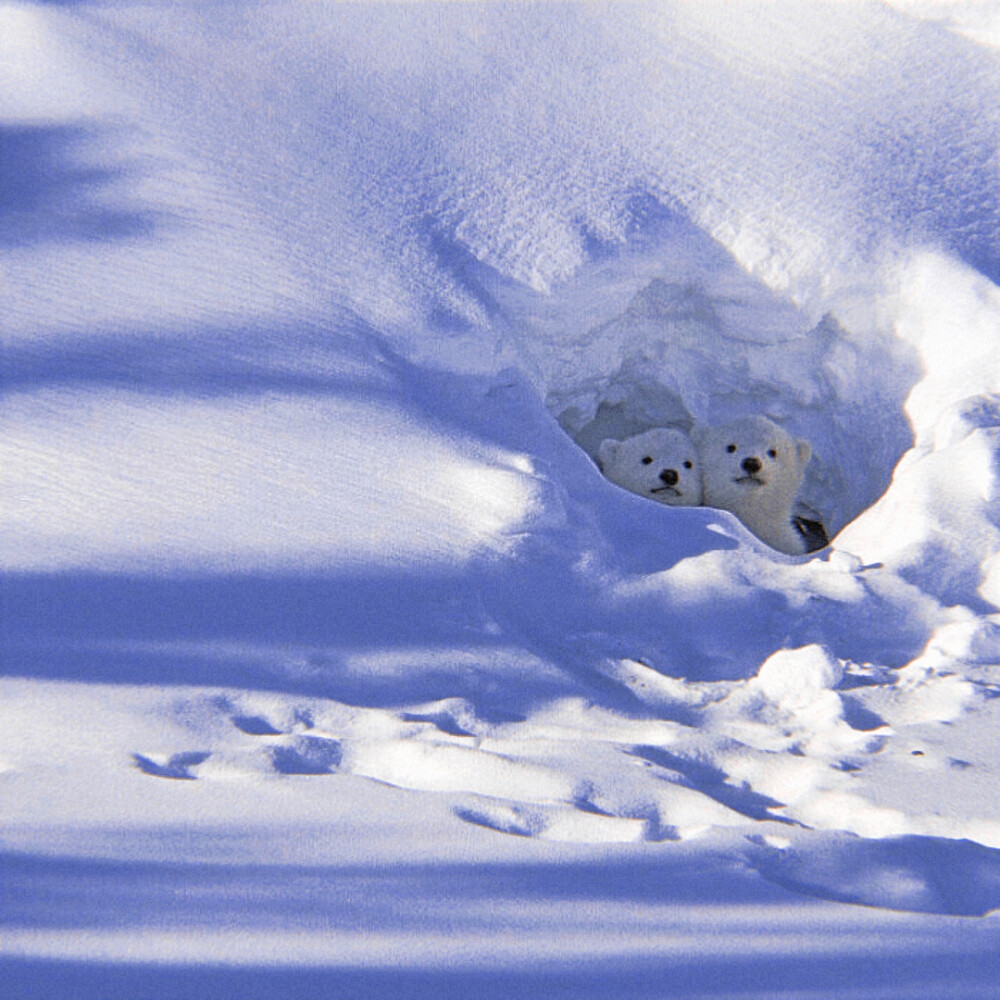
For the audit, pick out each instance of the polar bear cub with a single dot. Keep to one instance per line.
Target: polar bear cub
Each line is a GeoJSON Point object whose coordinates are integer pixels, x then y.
{"type": "Point", "coordinates": [661, 464]}
{"type": "Point", "coordinates": [754, 468]}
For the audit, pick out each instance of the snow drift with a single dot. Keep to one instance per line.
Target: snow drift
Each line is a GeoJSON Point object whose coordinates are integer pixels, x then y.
{"type": "Point", "coordinates": [313, 318]}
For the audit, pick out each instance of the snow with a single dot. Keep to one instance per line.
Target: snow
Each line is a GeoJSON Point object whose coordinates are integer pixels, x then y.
{"type": "Point", "coordinates": [331, 663]}
{"type": "Point", "coordinates": [116, 481]}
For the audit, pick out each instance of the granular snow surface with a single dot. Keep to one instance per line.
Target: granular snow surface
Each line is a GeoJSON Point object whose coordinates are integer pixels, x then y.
{"type": "Point", "coordinates": [331, 664]}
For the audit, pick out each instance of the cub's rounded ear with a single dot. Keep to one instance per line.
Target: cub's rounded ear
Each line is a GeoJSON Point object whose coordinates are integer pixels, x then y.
{"type": "Point", "coordinates": [606, 451]}
{"type": "Point", "coordinates": [805, 451]}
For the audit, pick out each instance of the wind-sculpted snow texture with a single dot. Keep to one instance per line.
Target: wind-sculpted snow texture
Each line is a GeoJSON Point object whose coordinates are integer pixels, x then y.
{"type": "Point", "coordinates": [332, 665]}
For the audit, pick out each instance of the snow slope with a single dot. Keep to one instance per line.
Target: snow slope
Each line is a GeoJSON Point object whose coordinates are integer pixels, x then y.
{"type": "Point", "coordinates": [331, 664]}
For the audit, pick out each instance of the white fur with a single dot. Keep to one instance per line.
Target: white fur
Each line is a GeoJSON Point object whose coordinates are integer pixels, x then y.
{"type": "Point", "coordinates": [763, 499]}
{"type": "Point", "coordinates": [661, 464]}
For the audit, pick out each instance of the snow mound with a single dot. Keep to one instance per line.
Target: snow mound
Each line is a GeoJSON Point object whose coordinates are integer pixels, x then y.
{"type": "Point", "coordinates": [938, 525]}
{"type": "Point", "coordinates": [314, 316]}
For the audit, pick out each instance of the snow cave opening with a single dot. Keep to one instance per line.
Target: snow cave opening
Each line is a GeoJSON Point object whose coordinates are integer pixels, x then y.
{"type": "Point", "coordinates": [671, 331]}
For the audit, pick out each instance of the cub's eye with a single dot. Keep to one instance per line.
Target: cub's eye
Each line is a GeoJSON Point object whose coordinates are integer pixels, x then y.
{"type": "Point", "coordinates": [687, 465]}
{"type": "Point", "coordinates": [731, 448]}
{"type": "Point", "coordinates": [647, 460]}
{"type": "Point", "coordinates": [772, 453]}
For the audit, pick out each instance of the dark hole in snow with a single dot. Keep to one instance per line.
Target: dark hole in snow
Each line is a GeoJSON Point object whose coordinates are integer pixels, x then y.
{"type": "Point", "coordinates": [254, 725]}
{"type": "Point", "coordinates": [442, 720]}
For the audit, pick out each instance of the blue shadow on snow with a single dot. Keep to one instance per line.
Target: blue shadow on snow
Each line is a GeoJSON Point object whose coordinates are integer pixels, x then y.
{"type": "Point", "coordinates": [933, 956]}
{"type": "Point", "coordinates": [49, 192]}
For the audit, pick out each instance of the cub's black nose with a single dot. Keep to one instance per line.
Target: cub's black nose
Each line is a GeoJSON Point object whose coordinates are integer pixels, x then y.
{"type": "Point", "coordinates": [751, 466]}
{"type": "Point", "coordinates": [669, 476]}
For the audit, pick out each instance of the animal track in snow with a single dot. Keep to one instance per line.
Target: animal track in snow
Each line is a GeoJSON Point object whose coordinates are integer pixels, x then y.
{"type": "Point", "coordinates": [306, 755]}
{"type": "Point", "coordinates": [810, 741]}
{"type": "Point", "coordinates": [562, 822]}
{"type": "Point", "coordinates": [177, 765]}
{"type": "Point", "coordinates": [254, 745]}
{"type": "Point", "coordinates": [255, 725]}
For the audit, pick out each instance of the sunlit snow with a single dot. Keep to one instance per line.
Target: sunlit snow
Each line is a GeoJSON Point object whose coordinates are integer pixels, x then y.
{"type": "Point", "coordinates": [332, 665]}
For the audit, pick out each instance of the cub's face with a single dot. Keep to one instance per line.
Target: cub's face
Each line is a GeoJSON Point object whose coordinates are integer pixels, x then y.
{"type": "Point", "coordinates": [661, 464]}
{"type": "Point", "coordinates": [751, 462]}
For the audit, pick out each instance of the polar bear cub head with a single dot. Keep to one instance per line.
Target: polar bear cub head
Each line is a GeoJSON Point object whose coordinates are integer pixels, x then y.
{"type": "Point", "coordinates": [754, 468]}
{"type": "Point", "coordinates": [661, 464]}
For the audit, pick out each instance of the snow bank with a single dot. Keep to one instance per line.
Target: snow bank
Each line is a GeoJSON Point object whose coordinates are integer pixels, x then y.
{"type": "Point", "coordinates": [938, 524]}
{"type": "Point", "coordinates": [119, 480]}
{"type": "Point", "coordinates": [313, 318]}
